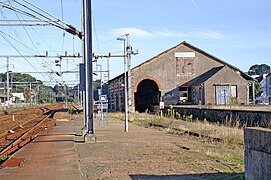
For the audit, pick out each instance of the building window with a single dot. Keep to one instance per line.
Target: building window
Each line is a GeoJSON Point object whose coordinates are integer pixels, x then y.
{"type": "Point", "coordinates": [234, 92]}
{"type": "Point", "coordinates": [200, 93]}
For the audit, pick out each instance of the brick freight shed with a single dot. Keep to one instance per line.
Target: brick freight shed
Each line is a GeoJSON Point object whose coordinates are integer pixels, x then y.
{"type": "Point", "coordinates": [182, 74]}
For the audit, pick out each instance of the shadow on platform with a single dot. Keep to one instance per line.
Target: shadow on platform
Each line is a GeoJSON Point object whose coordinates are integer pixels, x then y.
{"type": "Point", "coordinates": [209, 176]}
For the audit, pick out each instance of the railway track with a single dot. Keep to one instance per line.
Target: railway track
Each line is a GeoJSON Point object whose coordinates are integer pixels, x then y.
{"type": "Point", "coordinates": [38, 123]}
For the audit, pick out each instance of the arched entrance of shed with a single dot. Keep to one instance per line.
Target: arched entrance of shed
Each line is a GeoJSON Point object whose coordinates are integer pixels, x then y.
{"type": "Point", "coordinates": [147, 96]}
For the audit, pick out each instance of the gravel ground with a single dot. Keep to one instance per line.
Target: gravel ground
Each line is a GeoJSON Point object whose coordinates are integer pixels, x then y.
{"type": "Point", "coordinates": [146, 153]}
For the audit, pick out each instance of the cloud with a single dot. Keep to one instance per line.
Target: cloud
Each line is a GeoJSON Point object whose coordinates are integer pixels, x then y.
{"type": "Point", "coordinates": [170, 34]}
{"type": "Point", "coordinates": [135, 32]}
{"type": "Point", "coordinates": [207, 34]}
{"type": "Point", "coordinates": [143, 34]}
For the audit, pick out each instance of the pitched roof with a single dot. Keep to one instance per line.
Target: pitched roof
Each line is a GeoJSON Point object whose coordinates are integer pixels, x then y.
{"type": "Point", "coordinates": [243, 74]}
{"type": "Point", "coordinates": [203, 77]}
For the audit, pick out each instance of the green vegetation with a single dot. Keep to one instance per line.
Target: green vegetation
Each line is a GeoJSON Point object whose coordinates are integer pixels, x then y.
{"type": "Point", "coordinates": [41, 93]}
{"type": "Point", "coordinates": [259, 69]}
{"type": "Point", "coordinates": [204, 129]}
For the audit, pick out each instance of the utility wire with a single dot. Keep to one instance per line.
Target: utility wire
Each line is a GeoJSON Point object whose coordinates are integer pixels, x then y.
{"type": "Point", "coordinates": [45, 62]}
{"type": "Point", "coordinates": [50, 67]}
{"type": "Point", "coordinates": [18, 51]}
{"type": "Point", "coordinates": [37, 51]}
{"type": "Point", "coordinates": [94, 27]}
{"type": "Point", "coordinates": [44, 11]}
{"type": "Point", "coordinates": [24, 44]}
{"type": "Point", "coordinates": [62, 17]}
{"type": "Point", "coordinates": [37, 12]}
{"type": "Point", "coordinates": [16, 41]}
{"type": "Point", "coordinates": [50, 21]}
{"type": "Point", "coordinates": [57, 23]}
{"type": "Point", "coordinates": [54, 23]}
{"type": "Point", "coordinates": [14, 30]}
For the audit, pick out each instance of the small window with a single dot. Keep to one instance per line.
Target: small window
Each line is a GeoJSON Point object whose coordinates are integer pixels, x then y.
{"type": "Point", "coordinates": [233, 91]}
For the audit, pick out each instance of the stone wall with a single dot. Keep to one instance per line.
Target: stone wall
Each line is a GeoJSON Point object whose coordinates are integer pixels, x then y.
{"type": "Point", "coordinates": [246, 118]}
{"type": "Point", "coordinates": [169, 72]}
{"type": "Point", "coordinates": [257, 153]}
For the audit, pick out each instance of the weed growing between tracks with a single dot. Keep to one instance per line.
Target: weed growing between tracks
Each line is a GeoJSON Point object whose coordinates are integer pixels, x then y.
{"type": "Point", "coordinates": [220, 147]}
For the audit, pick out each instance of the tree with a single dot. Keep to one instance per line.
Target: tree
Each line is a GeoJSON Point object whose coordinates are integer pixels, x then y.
{"type": "Point", "coordinates": [258, 90]}
{"type": "Point", "coordinates": [96, 86]}
{"type": "Point", "coordinates": [259, 69]}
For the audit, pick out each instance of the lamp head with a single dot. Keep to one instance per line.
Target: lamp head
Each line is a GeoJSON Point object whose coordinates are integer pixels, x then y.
{"type": "Point", "coordinates": [120, 39]}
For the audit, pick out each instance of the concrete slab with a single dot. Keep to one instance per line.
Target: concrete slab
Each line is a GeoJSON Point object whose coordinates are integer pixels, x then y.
{"type": "Point", "coordinates": [257, 153]}
{"type": "Point", "coordinates": [50, 156]}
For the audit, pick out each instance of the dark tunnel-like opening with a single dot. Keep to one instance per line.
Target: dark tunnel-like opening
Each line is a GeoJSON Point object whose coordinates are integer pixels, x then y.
{"type": "Point", "coordinates": [147, 96]}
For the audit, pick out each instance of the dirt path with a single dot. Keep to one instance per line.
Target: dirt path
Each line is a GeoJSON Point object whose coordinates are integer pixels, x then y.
{"type": "Point", "coordinates": [146, 153]}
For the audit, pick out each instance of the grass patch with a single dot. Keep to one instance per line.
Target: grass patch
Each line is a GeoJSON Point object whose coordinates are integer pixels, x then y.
{"type": "Point", "coordinates": [204, 129]}
{"type": "Point", "coordinates": [219, 147]}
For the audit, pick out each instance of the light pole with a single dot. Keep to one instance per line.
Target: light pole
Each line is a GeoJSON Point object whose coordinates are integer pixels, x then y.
{"type": "Point", "coordinates": [125, 84]}
{"type": "Point", "coordinates": [101, 90]}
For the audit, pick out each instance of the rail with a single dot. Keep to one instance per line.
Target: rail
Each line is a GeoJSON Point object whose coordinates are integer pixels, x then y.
{"type": "Point", "coordinates": [17, 137]}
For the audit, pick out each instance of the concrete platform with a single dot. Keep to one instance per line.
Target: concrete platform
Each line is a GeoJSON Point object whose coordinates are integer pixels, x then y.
{"type": "Point", "coordinates": [50, 156]}
{"type": "Point", "coordinates": [141, 153]}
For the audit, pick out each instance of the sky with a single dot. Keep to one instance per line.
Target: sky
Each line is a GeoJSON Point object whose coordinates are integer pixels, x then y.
{"type": "Point", "coordinates": [238, 32]}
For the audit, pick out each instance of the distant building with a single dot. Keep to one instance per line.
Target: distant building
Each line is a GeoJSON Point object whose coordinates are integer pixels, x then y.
{"type": "Point", "coordinates": [182, 74]}
{"type": "Point", "coordinates": [18, 96]}
{"type": "Point", "coordinates": [3, 98]}
{"type": "Point", "coordinates": [264, 81]}
{"type": "Point", "coordinates": [268, 87]}
{"type": "Point", "coordinates": [3, 88]}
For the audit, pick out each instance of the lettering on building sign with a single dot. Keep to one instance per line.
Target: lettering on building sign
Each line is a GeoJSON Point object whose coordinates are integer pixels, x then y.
{"type": "Point", "coordinates": [185, 54]}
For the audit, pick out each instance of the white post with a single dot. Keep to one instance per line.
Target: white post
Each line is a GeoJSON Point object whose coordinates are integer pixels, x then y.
{"type": "Point", "coordinates": [8, 81]}
{"type": "Point", "coordinates": [128, 48]}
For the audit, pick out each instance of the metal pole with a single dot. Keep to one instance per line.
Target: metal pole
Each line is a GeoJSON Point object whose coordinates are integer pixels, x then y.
{"type": "Point", "coordinates": [84, 61]}
{"type": "Point", "coordinates": [8, 81]}
{"type": "Point", "coordinates": [78, 96]}
{"type": "Point", "coordinates": [125, 91]}
{"type": "Point", "coordinates": [108, 71]}
{"type": "Point", "coordinates": [128, 48]}
{"type": "Point", "coordinates": [78, 91]}
{"type": "Point", "coordinates": [66, 97]}
{"type": "Point", "coordinates": [89, 70]}
{"type": "Point", "coordinates": [30, 89]}
{"type": "Point", "coordinates": [101, 91]}
{"type": "Point", "coordinates": [253, 92]}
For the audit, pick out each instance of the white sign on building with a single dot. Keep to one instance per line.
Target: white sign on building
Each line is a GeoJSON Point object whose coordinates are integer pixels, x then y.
{"type": "Point", "coordinates": [185, 54]}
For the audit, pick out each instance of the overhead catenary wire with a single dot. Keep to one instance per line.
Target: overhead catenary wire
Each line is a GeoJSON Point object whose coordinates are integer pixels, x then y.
{"type": "Point", "coordinates": [34, 44]}
{"type": "Point", "coordinates": [18, 35]}
{"type": "Point", "coordinates": [62, 17]}
{"type": "Point", "coordinates": [18, 51]}
{"type": "Point", "coordinates": [49, 19]}
{"type": "Point", "coordinates": [45, 62]}
{"type": "Point", "coordinates": [95, 32]}
{"type": "Point", "coordinates": [44, 11]}
{"type": "Point", "coordinates": [67, 27]}
{"type": "Point", "coordinates": [36, 17]}
{"type": "Point", "coordinates": [27, 34]}
{"type": "Point", "coordinates": [10, 44]}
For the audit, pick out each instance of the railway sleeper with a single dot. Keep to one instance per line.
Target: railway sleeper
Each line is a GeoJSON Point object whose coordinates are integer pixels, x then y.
{"type": "Point", "coordinates": [10, 151]}
{"type": "Point", "coordinates": [24, 142]}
